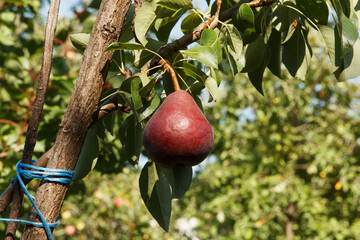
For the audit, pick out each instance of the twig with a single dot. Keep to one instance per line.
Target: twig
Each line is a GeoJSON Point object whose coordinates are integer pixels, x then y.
{"type": "Point", "coordinates": [31, 134]}
{"type": "Point", "coordinates": [168, 68]}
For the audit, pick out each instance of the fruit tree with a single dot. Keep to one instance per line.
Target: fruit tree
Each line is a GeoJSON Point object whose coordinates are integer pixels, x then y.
{"type": "Point", "coordinates": [130, 68]}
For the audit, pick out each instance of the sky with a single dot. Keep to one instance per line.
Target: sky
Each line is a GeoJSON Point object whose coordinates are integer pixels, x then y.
{"type": "Point", "coordinates": [66, 8]}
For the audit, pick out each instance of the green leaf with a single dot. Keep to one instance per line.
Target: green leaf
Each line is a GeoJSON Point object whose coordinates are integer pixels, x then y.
{"type": "Point", "coordinates": [233, 39]}
{"type": "Point", "coordinates": [211, 85]}
{"type": "Point", "coordinates": [130, 134]}
{"type": "Point", "coordinates": [125, 46]}
{"type": "Point", "coordinates": [135, 96]}
{"type": "Point", "coordinates": [88, 155]}
{"type": "Point", "coordinates": [316, 10]}
{"type": "Point", "coordinates": [203, 54]}
{"type": "Point", "coordinates": [190, 22]}
{"type": "Point", "coordinates": [179, 179]}
{"type": "Point", "coordinates": [297, 54]}
{"type": "Point", "coordinates": [109, 121]}
{"type": "Point", "coordinates": [256, 77]}
{"type": "Point", "coordinates": [244, 20]}
{"type": "Point", "coordinates": [235, 66]}
{"type": "Point", "coordinates": [283, 16]}
{"type": "Point", "coordinates": [346, 67]}
{"type": "Point", "coordinates": [156, 194]}
{"type": "Point", "coordinates": [100, 129]}
{"type": "Point", "coordinates": [245, 17]}
{"type": "Point", "coordinates": [209, 38]}
{"type": "Point", "coordinates": [215, 74]}
{"type": "Point", "coordinates": [144, 19]}
{"type": "Point", "coordinates": [175, 4]}
{"type": "Point", "coordinates": [349, 34]}
{"type": "Point", "coordinates": [126, 31]}
{"type": "Point", "coordinates": [196, 73]}
{"type": "Point", "coordinates": [142, 56]}
{"type": "Point", "coordinates": [128, 99]}
{"type": "Point", "coordinates": [254, 55]}
{"type": "Point", "coordinates": [80, 40]}
{"type": "Point", "coordinates": [233, 46]}
{"type": "Point", "coordinates": [149, 108]}
{"type": "Point", "coordinates": [166, 22]}
{"type": "Point", "coordinates": [350, 66]}
{"type": "Point", "coordinates": [147, 89]}
{"type": "Point", "coordinates": [274, 44]}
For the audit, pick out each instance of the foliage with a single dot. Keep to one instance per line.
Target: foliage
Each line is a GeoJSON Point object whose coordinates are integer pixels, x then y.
{"type": "Point", "coordinates": [284, 166]}
{"type": "Point", "coordinates": [298, 146]}
{"type": "Point", "coordinates": [290, 159]}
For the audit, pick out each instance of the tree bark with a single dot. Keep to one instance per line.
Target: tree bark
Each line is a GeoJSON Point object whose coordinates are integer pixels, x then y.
{"type": "Point", "coordinates": [31, 134]}
{"type": "Point", "coordinates": [78, 117]}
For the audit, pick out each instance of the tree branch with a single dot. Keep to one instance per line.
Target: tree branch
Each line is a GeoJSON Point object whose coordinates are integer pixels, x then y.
{"type": "Point", "coordinates": [78, 117]}
{"type": "Point", "coordinates": [31, 134]}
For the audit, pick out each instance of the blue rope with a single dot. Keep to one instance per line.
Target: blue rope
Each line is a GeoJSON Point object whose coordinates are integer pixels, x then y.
{"type": "Point", "coordinates": [47, 174]}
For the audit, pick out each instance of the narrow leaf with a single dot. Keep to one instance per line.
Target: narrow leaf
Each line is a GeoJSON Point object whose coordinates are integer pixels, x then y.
{"type": "Point", "coordinates": [156, 194]}
{"type": "Point", "coordinates": [274, 44]}
{"type": "Point", "coordinates": [135, 96]}
{"type": "Point", "coordinates": [125, 46]}
{"type": "Point", "coordinates": [130, 134]}
{"type": "Point", "coordinates": [175, 4]}
{"type": "Point", "coordinates": [109, 121]}
{"type": "Point", "coordinates": [149, 108]}
{"type": "Point", "coordinates": [144, 19]}
{"type": "Point", "coordinates": [88, 155]}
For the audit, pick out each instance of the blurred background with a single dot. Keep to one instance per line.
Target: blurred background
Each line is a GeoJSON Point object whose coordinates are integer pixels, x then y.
{"type": "Point", "coordinates": [284, 166]}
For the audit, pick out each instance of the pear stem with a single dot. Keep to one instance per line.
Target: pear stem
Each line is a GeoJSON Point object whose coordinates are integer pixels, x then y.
{"type": "Point", "coordinates": [168, 68]}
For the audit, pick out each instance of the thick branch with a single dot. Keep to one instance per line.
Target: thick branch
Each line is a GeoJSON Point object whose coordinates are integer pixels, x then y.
{"type": "Point", "coordinates": [31, 134]}
{"type": "Point", "coordinates": [78, 117]}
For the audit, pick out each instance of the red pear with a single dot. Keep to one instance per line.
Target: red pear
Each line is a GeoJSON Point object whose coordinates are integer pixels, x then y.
{"type": "Point", "coordinates": [178, 134]}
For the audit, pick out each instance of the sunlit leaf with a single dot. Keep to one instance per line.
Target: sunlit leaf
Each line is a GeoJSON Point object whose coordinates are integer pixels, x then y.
{"type": "Point", "coordinates": [175, 4]}
{"type": "Point", "coordinates": [144, 19]}
{"type": "Point", "coordinates": [203, 54]}
{"type": "Point", "coordinates": [124, 46]}
{"type": "Point", "coordinates": [209, 38]}
{"type": "Point", "coordinates": [80, 40]}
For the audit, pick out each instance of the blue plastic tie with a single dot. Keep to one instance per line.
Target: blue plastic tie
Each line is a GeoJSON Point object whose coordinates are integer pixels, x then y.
{"type": "Point", "coordinates": [47, 174]}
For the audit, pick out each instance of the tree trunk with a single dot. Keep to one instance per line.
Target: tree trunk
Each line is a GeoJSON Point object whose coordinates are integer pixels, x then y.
{"type": "Point", "coordinates": [78, 117]}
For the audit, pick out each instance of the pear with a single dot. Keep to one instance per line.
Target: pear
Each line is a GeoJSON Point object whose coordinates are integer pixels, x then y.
{"type": "Point", "coordinates": [178, 134]}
